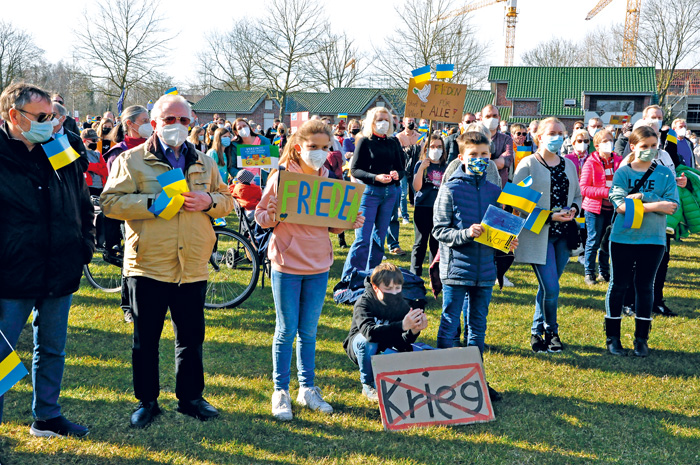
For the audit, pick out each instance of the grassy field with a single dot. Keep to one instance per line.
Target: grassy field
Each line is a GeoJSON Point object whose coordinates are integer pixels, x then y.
{"type": "Point", "coordinates": [578, 407]}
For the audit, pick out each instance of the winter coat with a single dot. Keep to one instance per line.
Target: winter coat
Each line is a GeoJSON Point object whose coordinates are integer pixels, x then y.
{"type": "Point", "coordinates": [593, 185]}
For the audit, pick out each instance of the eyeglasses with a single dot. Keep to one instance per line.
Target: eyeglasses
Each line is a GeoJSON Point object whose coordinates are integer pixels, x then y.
{"type": "Point", "coordinates": [185, 121]}
{"type": "Point", "coordinates": [518, 134]}
{"type": "Point", "coordinates": [586, 141]}
{"type": "Point", "coordinates": [40, 118]}
{"type": "Point", "coordinates": [58, 101]}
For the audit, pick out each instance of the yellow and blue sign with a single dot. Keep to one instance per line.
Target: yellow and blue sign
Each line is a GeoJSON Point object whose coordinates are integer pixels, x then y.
{"type": "Point", "coordinates": [421, 74]}
{"type": "Point", "coordinates": [444, 71]}
{"type": "Point", "coordinates": [634, 213]}
{"type": "Point", "coordinates": [60, 152]}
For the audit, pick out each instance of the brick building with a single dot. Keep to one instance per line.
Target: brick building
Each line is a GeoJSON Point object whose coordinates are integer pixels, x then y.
{"type": "Point", "coordinates": [254, 105]}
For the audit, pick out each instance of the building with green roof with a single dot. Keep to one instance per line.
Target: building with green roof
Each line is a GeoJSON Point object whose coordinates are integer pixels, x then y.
{"type": "Point", "coordinates": [254, 105]}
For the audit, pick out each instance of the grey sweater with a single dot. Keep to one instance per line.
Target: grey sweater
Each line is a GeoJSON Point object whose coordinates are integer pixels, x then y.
{"type": "Point", "coordinates": [532, 248]}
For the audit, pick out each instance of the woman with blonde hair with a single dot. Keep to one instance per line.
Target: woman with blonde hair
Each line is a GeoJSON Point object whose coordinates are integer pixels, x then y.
{"type": "Point", "coordinates": [580, 141]}
{"type": "Point", "coordinates": [196, 138]}
{"type": "Point", "coordinates": [301, 257]}
{"type": "Point", "coordinates": [378, 163]}
{"type": "Point", "coordinates": [103, 129]}
{"type": "Point", "coordinates": [220, 151]}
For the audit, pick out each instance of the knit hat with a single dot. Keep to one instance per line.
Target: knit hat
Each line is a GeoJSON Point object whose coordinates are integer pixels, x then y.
{"type": "Point", "coordinates": [245, 176]}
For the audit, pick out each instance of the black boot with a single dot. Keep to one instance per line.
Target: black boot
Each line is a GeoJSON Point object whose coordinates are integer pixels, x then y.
{"type": "Point", "coordinates": [612, 333]}
{"type": "Point", "coordinates": [641, 335]}
{"type": "Point", "coordinates": [341, 241]}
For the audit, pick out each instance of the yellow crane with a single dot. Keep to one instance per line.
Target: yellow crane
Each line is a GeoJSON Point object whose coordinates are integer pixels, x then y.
{"type": "Point", "coordinates": [511, 19]}
{"type": "Point", "coordinates": [629, 47]}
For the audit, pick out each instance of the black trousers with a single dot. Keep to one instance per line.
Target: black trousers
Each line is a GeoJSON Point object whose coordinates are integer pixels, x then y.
{"type": "Point", "coordinates": [423, 227]}
{"type": "Point", "coordinates": [624, 258]}
{"type": "Point", "coordinates": [150, 300]}
{"type": "Point", "coordinates": [661, 274]}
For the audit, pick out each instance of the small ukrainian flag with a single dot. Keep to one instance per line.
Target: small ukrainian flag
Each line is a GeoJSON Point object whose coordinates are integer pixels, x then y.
{"type": "Point", "coordinates": [444, 71]}
{"type": "Point", "coordinates": [171, 91]}
{"type": "Point", "coordinates": [166, 207]}
{"type": "Point", "coordinates": [60, 152]}
{"type": "Point", "coordinates": [277, 140]}
{"type": "Point", "coordinates": [527, 182]}
{"type": "Point", "coordinates": [11, 367]}
{"type": "Point", "coordinates": [421, 74]}
{"type": "Point", "coordinates": [444, 133]}
{"type": "Point", "coordinates": [520, 197]}
{"type": "Point", "coordinates": [672, 137]}
{"type": "Point", "coordinates": [420, 139]}
{"type": "Point", "coordinates": [535, 222]}
{"type": "Point", "coordinates": [173, 182]}
{"type": "Point", "coordinates": [634, 213]}
{"type": "Point", "coordinates": [423, 128]}
{"type": "Point", "coordinates": [343, 115]}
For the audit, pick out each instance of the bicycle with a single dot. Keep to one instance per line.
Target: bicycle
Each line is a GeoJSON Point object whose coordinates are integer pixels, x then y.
{"type": "Point", "coordinates": [104, 272]}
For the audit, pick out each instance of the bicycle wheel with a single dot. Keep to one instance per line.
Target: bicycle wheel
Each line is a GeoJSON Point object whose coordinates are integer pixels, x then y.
{"type": "Point", "coordinates": [234, 267]}
{"type": "Point", "coordinates": [103, 274]}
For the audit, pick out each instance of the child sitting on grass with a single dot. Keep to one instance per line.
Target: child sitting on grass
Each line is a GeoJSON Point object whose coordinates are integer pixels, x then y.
{"type": "Point", "coordinates": [381, 320]}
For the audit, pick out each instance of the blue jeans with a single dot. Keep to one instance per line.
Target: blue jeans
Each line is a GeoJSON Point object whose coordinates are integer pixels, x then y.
{"type": "Point", "coordinates": [547, 299]}
{"type": "Point", "coordinates": [376, 206]}
{"type": "Point", "coordinates": [298, 304]}
{"type": "Point", "coordinates": [364, 351]}
{"type": "Point", "coordinates": [474, 302]}
{"type": "Point", "coordinates": [596, 225]}
{"type": "Point", "coordinates": [50, 327]}
{"type": "Point", "coordinates": [404, 198]}
{"type": "Point", "coordinates": [392, 235]}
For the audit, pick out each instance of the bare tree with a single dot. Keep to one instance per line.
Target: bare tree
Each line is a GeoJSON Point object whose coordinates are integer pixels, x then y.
{"type": "Point", "coordinates": [338, 63]}
{"type": "Point", "coordinates": [553, 52]}
{"type": "Point", "coordinates": [602, 46]}
{"type": "Point", "coordinates": [17, 53]}
{"type": "Point", "coordinates": [291, 37]}
{"type": "Point", "coordinates": [121, 44]}
{"type": "Point", "coordinates": [231, 60]}
{"type": "Point", "coordinates": [423, 39]}
{"type": "Point", "coordinates": [668, 36]}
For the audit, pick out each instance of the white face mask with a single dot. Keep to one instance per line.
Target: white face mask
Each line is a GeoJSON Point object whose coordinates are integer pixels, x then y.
{"type": "Point", "coordinates": [382, 127]}
{"type": "Point", "coordinates": [655, 123]}
{"type": "Point", "coordinates": [244, 132]}
{"type": "Point", "coordinates": [435, 154]}
{"type": "Point", "coordinates": [580, 147]}
{"type": "Point", "coordinates": [173, 135]}
{"type": "Point", "coordinates": [314, 158]}
{"type": "Point", "coordinates": [55, 122]}
{"type": "Point", "coordinates": [491, 123]}
{"type": "Point", "coordinates": [593, 131]}
{"type": "Point", "coordinates": [145, 130]}
{"type": "Point", "coordinates": [606, 147]}
{"type": "Point", "coordinates": [681, 132]}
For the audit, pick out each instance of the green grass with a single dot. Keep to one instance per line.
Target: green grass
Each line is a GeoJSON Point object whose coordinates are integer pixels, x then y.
{"type": "Point", "coordinates": [581, 406]}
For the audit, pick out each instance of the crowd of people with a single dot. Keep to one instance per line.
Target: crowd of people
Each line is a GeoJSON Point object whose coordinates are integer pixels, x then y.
{"type": "Point", "coordinates": [450, 176]}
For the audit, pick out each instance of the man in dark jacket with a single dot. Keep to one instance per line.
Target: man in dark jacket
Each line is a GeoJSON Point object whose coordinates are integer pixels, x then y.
{"type": "Point", "coordinates": [46, 236]}
{"type": "Point", "coordinates": [381, 320]}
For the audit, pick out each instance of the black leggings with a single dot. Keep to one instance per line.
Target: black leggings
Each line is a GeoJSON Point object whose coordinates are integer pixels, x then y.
{"type": "Point", "coordinates": [423, 227]}
{"type": "Point", "coordinates": [633, 262]}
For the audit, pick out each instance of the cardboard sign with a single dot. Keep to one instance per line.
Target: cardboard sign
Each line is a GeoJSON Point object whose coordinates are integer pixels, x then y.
{"type": "Point", "coordinates": [297, 119]}
{"type": "Point", "coordinates": [619, 120]}
{"type": "Point", "coordinates": [258, 156]}
{"type": "Point", "coordinates": [500, 228]}
{"type": "Point", "coordinates": [435, 101]}
{"type": "Point", "coordinates": [317, 201]}
{"type": "Point", "coordinates": [432, 387]}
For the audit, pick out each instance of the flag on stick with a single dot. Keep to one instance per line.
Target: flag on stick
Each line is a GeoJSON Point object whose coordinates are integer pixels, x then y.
{"type": "Point", "coordinates": [60, 152]}
{"type": "Point", "coordinates": [444, 71]}
{"type": "Point", "coordinates": [520, 197]}
{"type": "Point", "coordinates": [421, 74]}
{"type": "Point", "coordinates": [11, 367]}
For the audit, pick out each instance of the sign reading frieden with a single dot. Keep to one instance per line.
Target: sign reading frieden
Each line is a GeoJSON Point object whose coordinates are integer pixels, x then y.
{"type": "Point", "coordinates": [435, 101]}
{"type": "Point", "coordinates": [318, 201]}
{"type": "Point", "coordinates": [432, 387]}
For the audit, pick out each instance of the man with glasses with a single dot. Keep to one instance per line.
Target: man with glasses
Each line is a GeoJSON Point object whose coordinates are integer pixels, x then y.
{"type": "Point", "coordinates": [165, 261]}
{"type": "Point", "coordinates": [69, 124]}
{"type": "Point", "coordinates": [74, 139]}
{"type": "Point", "coordinates": [46, 236]}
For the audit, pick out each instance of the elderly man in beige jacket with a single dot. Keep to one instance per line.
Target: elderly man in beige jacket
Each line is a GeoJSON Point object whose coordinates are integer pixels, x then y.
{"type": "Point", "coordinates": [165, 261]}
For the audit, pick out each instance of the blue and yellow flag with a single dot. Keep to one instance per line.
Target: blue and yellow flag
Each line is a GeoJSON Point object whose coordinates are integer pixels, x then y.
{"type": "Point", "coordinates": [343, 115]}
{"type": "Point", "coordinates": [149, 105]}
{"type": "Point", "coordinates": [166, 207]}
{"type": "Point", "coordinates": [11, 367]}
{"type": "Point", "coordinates": [172, 91]}
{"type": "Point", "coordinates": [444, 133]}
{"type": "Point", "coordinates": [276, 140]}
{"type": "Point", "coordinates": [580, 220]}
{"type": "Point", "coordinates": [420, 139]}
{"type": "Point", "coordinates": [60, 152]}
{"type": "Point", "coordinates": [520, 197]}
{"type": "Point", "coordinates": [527, 182]}
{"type": "Point", "coordinates": [444, 71]}
{"type": "Point", "coordinates": [672, 137]}
{"type": "Point", "coordinates": [535, 222]}
{"type": "Point", "coordinates": [173, 182]}
{"type": "Point", "coordinates": [634, 213]}
{"type": "Point", "coordinates": [423, 128]}
{"type": "Point", "coordinates": [421, 74]}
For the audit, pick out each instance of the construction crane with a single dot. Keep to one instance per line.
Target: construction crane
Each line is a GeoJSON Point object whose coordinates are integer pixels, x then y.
{"type": "Point", "coordinates": [629, 47]}
{"type": "Point", "coordinates": [511, 19]}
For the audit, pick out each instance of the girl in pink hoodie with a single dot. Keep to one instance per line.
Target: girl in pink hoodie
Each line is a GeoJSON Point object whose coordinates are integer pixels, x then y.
{"type": "Point", "coordinates": [301, 256]}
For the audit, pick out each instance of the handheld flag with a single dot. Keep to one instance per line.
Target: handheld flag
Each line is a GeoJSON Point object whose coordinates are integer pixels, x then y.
{"type": "Point", "coordinates": [527, 182]}
{"type": "Point", "coordinates": [173, 182]}
{"type": "Point", "coordinates": [60, 152]}
{"type": "Point", "coordinates": [580, 220]}
{"type": "Point", "coordinates": [276, 140]}
{"type": "Point", "coordinates": [421, 74]}
{"type": "Point", "coordinates": [11, 367]}
{"type": "Point", "coordinates": [343, 115]}
{"type": "Point", "coordinates": [672, 137]}
{"type": "Point", "coordinates": [149, 105]}
{"type": "Point", "coordinates": [444, 71]}
{"type": "Point", "coordinates": [634, 213]}
{"type": "Point", "coordinates": [535, 222]}
{"type": "Point", "coordinates": [171, 91]}
{"type": "Point", "coordinates": [166, 207]}
{"type": "Point", "coordinates": [520, 197]}
{"type": "Point", "coordinates": [444, 133]}
{"type": "Point", "coordinates": [120, 103]}
{"type": "Point", "coordinates": [423, 128]}
{"type": "Point", "coordinates": [522, 152]}
{"type": "Point", "coordinates": [420, 139]}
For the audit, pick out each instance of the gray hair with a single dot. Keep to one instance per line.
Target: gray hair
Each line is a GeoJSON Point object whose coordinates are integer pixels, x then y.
{"type": "Point", "coordinates": [158, 106]}
{"type": "Point", "coordinates": [59, 109]}
{"type": "Point", "coordinates": [18, 95]}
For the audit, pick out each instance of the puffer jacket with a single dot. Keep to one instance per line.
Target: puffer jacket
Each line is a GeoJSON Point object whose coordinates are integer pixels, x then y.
{"type": "Point", "coordinates": [593, 187]}
{"type": "Point", "coordinates": [461, 202]}
{"type": "Point", "coordinates": [46, 229]}
{"type": "Point", "coordinates": [175, 250]}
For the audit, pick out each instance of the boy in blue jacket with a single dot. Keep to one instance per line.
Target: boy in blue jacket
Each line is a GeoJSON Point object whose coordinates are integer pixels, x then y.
{"type": "Point", "coordinates": [467, 268]}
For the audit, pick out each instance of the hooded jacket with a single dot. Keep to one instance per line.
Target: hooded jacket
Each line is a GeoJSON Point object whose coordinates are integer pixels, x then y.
{"type": "Point", "coordinates": [379, 323]}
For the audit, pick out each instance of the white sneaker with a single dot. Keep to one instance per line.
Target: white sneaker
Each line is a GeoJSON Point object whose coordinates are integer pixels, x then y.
{"type": "Point", "coordinates": [281, 405]}
{"type": "Point", "coordinates": [311, 397]}
{"type": "Point", "coordinates": [507, 283]}
{"type": "Point", "coordinates": [370, 392]}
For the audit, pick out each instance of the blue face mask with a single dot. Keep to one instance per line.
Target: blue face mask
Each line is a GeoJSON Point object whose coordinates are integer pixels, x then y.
{"type": "Point", "coordinates": [477, 166]}
{"type": "Point", "coordinates": [225, 141]}
{"type": "Point", "coordinates": [38, 132]}
{"type": "Point", "coordinates": [552, 143]}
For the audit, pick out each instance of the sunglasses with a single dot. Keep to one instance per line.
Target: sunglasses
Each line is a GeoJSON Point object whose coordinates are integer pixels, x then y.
{"type": "Point", "coordinates": [586, 141]}
{"type": "Point", "coordinates": [40, 118]}
{"type": "Point", "coordinates": [518, 134]}
{"type": "Point", "coordinates": [185, 121]}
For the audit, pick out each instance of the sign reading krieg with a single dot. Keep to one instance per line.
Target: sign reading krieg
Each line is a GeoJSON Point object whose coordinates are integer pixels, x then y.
{"type": "Point", "coordinates": [432, 387]}
{"type": "Point", "coordinates": [318, 201]}
{"type": "Point", "coordinates": [435, 101]}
